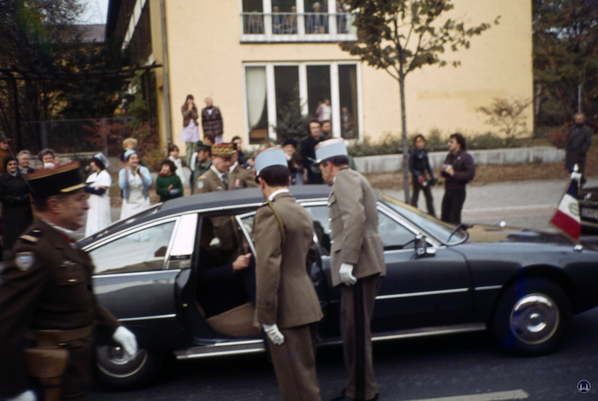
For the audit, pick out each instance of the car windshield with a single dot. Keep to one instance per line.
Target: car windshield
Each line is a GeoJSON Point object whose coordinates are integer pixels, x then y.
{"type": "Point", "coordinates": [434, 227]}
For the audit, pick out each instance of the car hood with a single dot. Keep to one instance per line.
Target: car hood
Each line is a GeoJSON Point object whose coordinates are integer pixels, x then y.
{"type": "Point", "coordinates": [489, 234]}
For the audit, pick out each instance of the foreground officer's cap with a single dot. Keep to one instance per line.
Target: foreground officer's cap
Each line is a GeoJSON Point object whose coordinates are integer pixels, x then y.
{"type": "Point", "coordinates": [224, 150]}
{"type": "Point", "coordinates": [103, 159]}
{"type": "Point", "coordinates": [268, 157]}
{"type": "Point", "coordinates": [54, 181]}
{"type": "Point", "coordinates": [330, 148]}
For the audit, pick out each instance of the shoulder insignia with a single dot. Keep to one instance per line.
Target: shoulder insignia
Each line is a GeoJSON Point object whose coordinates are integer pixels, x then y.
{"type": "Point", "coordinates": [202, 177]}
{"type": "Point", "coordinates": [24, 260]}
{"type": "Point", "coordinates": [32, 236]}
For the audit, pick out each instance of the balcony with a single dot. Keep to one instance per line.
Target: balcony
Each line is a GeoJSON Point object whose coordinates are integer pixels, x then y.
{"type": "Point", "coordinates": [297, 27]}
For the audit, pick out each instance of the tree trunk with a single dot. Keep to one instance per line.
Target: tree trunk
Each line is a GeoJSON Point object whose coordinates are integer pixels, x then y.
{"type": "Point", "coordinates": [405, 164]}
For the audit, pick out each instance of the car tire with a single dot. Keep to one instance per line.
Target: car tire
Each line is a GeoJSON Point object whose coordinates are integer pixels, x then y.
{"type": "Point", "coordinates": [531, 317]}
{"type": "Point", "coordinates": [117, 372]}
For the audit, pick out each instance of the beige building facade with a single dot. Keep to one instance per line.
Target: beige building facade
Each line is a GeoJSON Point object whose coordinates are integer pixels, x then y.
{"type": "Point", "coordinates": [254, 57]}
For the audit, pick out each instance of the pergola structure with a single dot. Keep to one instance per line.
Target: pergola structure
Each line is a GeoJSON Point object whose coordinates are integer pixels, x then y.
{"type": "Point", "coordinates": [11, 75]}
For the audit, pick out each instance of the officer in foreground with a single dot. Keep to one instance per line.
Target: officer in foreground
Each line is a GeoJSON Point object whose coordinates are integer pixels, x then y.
{"type": "Point", "coordinates": [48, 312]}
{"type": "Point", "coordinates": [287, 306]}
{"type": "Point", "coordinates": [357, 262]}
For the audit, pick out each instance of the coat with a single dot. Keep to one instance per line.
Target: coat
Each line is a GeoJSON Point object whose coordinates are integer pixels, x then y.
{"type": "Point", "coordinates": [307, 151]}
{"type": "Point", "coordinates": [285, 294]}
{"type": "Point", "coordinates": [47, 286]}
{"type": "Point", "coordinates": [464, 167]}
{"type": "Point", "coordinates": [16, 208]}
{"type": "Point", "coordinates": [123, 182]}
{"type": "Point", "coordinates": [354, 238]}
{"type": "Point", "coordinates": [245, 177]}
{"type": "Point", "coordinates": [189, 114]}
{"type": "Point", "coordinates": [98, 215]}
{"type": "Point", "coordinates": [210, 182]}
{"type": "Point", "coordinates": [162, 184]}
{"type": "Point", "coordinates": [419, 163]}
{"type": "Point", "coordinates": [577, 145]}
{"type": "Point", "coordinates": [212, 122]}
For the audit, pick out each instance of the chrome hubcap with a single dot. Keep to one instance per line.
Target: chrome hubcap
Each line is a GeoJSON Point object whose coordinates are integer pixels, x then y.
{"type": "Point", "coordinates": [113, 361]}
{"type": "Point", "coordinates": [534, 319]}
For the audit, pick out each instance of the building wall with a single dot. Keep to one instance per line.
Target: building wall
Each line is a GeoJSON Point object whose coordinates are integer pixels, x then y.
{"type": "Point", "coordinates": [206, 58]}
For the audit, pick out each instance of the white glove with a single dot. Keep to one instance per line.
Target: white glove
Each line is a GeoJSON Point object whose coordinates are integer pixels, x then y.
{"type": "Point", "coordinates": [24, 396]}
{"type": "Point", "coordinates": [127, 340]}
{"type": "Point", "coordinates": [346, 273]}
{"type": "Point", "coordinates": [215, 243]}
{"type": "Point", "coordinates": [576, 176]}
{"type": "Point", "coordinates": [273, 333]}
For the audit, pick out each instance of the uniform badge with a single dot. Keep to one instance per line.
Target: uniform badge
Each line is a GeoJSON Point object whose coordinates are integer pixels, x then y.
{"type": "Point", "coordinates": [200, 184]}
{"type": "Point", "coordinates": [24, 260]}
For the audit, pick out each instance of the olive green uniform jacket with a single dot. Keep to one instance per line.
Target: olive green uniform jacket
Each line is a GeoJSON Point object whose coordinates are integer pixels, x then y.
{"type": "Point", "coordinates": [210, 182]}
{"type": "Point", "coordinates": [47, 286]}
{"type": "Point", "coordinates": [245, 177]}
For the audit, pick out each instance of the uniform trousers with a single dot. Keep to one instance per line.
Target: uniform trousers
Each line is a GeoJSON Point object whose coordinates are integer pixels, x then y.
{"type": "Point", "coordinates": [295, 363]}
{"type": "Point", "coordinates": [427, 193]}
{"type": "Point", "coordinates": [452, 204]}
{"type": "Point", "coordinates": [357, 308]}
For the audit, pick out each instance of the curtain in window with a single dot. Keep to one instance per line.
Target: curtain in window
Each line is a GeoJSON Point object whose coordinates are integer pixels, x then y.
{"type": "Point", "coordinates": [255, 78]}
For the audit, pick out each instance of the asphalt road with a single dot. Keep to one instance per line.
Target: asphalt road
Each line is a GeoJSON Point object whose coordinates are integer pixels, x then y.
{"type": "Point", "coordinates": [465, 367]}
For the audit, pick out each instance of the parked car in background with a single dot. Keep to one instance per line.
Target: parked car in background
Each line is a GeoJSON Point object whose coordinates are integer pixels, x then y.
{"type": "Point", "coordinates": [521, 285]}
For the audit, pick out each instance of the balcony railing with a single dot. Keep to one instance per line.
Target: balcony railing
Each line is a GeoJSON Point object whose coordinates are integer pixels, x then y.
{"type": "Point", "coordinates": [297, 27]}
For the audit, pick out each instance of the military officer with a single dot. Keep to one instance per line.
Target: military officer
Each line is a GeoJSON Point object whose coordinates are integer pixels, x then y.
{"type": "Point", "coordinates": [201, 161]}
{"type": "Point", "coordinates": [217, 177]}
{"type": "Point", "coordinates": [48, 312]}
{"type": "Point", "coordinates": [287, 306]}
{"type": "Point", "coordinates": [240, 177]}
{"type": "Point", "coordinates": [357, 262]}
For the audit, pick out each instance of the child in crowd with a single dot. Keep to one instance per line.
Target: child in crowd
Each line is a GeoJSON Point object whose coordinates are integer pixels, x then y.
{"type": "Point", "coordinates": [168, 184]}
{"type": "Point", "coordinates": [173, 155]}
{"type": "Point", "coordinates": [128, 144]}
{"type": "Point", "coordinates": [418, 165]}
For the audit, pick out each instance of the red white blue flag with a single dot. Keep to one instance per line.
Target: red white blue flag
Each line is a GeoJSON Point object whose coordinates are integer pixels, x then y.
{"type": "Point", "coordinates": [566, 217]}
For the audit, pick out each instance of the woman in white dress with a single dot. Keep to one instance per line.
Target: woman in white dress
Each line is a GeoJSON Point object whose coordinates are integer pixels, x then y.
{"type": "Point", "coordinates": [98, 186]}
{"type": "Point", "coordinates": [134, 180]}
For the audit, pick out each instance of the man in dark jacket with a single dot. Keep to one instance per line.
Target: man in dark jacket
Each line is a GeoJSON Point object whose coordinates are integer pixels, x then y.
{"type": "Point", "coordinates": [577, 144]}
{"type": "Point", "coordinates": [308, 153]}
{"type": "Point", "coordinates": [418, 165]}
{"type": "Point", "coordinates": [458, 169]}
{"type": "Point", "coordinates": [211, 120]}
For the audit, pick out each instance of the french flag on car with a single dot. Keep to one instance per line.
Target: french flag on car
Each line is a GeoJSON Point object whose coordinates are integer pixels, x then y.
{"type": "Point", "coordinates": [566, 217]}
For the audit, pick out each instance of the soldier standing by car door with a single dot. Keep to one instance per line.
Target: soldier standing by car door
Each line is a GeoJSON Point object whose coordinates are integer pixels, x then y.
{"type": "Point", "coordinates": [357, 262]}
{"type": "Point", "coordinates": [48, 312]}
{"type": "Point", "coordinates": [287, 307]}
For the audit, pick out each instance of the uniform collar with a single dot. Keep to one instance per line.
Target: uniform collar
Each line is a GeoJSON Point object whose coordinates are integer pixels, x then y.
{"type": "Point", "coordinates": [233, 167]}
{"type": "Point", "coordinates": [280, 191]}
{"type": "Point", "coordinates": [218, 173]}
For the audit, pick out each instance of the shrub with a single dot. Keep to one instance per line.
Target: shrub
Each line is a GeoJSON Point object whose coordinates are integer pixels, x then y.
{"type": "Point", "coordinates": [558, 136]}
{"type": "Point", "coordinates": [508, 116]}
{"type": "Point", "coordinates": [489, 141]}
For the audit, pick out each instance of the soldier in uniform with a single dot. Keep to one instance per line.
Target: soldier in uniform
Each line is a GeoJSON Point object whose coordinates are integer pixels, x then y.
{"type": "Point", "coordinates": [48, 312]}
{"type": "Point", "coordinates": [357, 262]}
{"type": "Point", "coordinates": [217, 177]}
{"type": "Point", "coordinates": [240, 176]}
{"type": "Point", "coordinates": [201, 161]}
{"type": "Point", "coordinates": [287, 306]}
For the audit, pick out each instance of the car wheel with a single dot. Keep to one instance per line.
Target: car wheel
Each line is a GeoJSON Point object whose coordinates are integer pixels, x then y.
{"type": "Point", "coordinates": [531, 316]}
{"type": "Point", "coordinates": [119, 372]}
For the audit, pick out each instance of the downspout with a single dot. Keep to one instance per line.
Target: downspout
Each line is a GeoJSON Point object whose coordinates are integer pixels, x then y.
{"type": "Point", "coordinates": [166, 81]}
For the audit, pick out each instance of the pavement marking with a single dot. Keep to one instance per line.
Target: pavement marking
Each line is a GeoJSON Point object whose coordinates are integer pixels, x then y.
{"type": "Point", "coordinates": [502, 395]}
{"type": "Point", "coordinates": [501, 208]}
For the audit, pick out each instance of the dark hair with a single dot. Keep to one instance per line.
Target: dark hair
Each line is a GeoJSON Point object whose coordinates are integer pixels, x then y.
{"type": "Point", "coordinates": [189, 97]}
{"type": "Point", "coordinates": [325, 121]}
{"type": "Point", "coordinates": [98, 163]}
{"type": "Point", "coordinates": [290, 141]}
{"type": "Point", "coordinates": [44, 152]}
{"type": "Point", "coordinates": [210, 135]}
{"type": "Point", "coordinates": [170, 164]}
{"type": "Point", "coordinates": [41, 205]}
{"type": "Point", "coordinates": [172, 147]}
{"type": "Point", "coordinates": [4, 139]}
{"type": "Point", "coordinates": [276, 176]}
{"type": "Point", "coordinates": [7, 159]}
{"type": "Point", "coordinates": [313, 120]}
{"type": "Point", "coordinates": [338, 160]}
{"type": "Point", "coordinates": [417, 137]}
{"type": "Point", "coordinates": [235, 138]}
{"type": "Point", "coordinates": [460, 140]}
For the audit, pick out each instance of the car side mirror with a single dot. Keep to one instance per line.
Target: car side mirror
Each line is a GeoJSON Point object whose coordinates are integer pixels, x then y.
{"type": "Point", "coordinates": [421, 247]}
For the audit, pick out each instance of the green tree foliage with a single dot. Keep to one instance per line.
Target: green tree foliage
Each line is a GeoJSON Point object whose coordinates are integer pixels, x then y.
{"type": "Point", "coordinates": [290, 123]}
{"type": "Point", "coordinates": [400, 36]}
{"type": "Point", "coordinates": [565, 55]}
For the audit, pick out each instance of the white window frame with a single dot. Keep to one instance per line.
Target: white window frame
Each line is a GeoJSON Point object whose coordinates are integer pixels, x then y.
{"type": "Point", "coordinates": [302, 66]}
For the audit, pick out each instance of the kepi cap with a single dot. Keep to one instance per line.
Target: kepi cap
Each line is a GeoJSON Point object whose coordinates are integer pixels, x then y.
{"type": "Point", "coordinates": [100, 156]}
{"type": "Point", "coordinates": [202, 146]}
{"type": "Point", "coordinates": [330, 148]}
{"type": "Point", "coordinates": [273, 156]}
{"type": "Point", "coordinates": [55, 180]}
{"type": "Point", "coordinates": [224, 150]}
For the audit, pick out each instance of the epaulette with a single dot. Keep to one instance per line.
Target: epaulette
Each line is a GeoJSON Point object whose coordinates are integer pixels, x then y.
{"type": "Point", "coordinates": [32, 236]}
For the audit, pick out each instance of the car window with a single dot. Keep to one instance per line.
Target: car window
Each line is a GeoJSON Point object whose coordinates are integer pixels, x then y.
{"type": "Point", "coordinates": [319, 215]}
{"type": "Point", "coordinates": [142, 250]}
{"type": "Point", "coordinates": [394, 235]}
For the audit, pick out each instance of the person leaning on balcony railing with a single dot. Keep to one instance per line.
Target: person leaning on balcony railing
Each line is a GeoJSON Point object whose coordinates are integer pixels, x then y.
{"type": "Point", "coordinates": [277, 21]}
{"type": "Point", "coordinates": [290, 23]}
{"type": "Point", "coordinates": [317, 22]}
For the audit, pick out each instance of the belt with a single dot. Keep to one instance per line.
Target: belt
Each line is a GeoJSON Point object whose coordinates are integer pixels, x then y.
{"type": "Point", "coordinates": [59, 336]}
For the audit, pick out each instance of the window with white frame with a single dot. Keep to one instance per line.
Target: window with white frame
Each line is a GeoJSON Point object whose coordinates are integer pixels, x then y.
{"type": "Point", "coordinates": [296, 21]}
{"type": "Point", "coordinates": [325, 91]}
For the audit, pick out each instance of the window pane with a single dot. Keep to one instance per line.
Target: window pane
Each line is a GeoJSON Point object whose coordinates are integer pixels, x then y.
{"type": "Point", "coordinates": [347, 83]}
{"type": "Point", "coordinates": [141, 251]}
{"type": "Point", "coordinates": [253, 19]}
{"type": "Point", "coordinates": [284, 17]}
{"type": "Point", "coordinates": [318, 91]}
{"type": "Point", "coordinates": [289, 121]}
{"type": "Point", "coordinates": [257, 112]}
{"type": "Point", "coordinates": [316, 17]}
{"type": "Point", "coordinates": [394, 235]}
{"type": "Point", "coordinates": [319, 214]}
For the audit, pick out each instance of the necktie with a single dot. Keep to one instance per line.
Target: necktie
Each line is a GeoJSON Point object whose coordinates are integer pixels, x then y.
{"type": "Point", "coordinates": [224, 180]}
